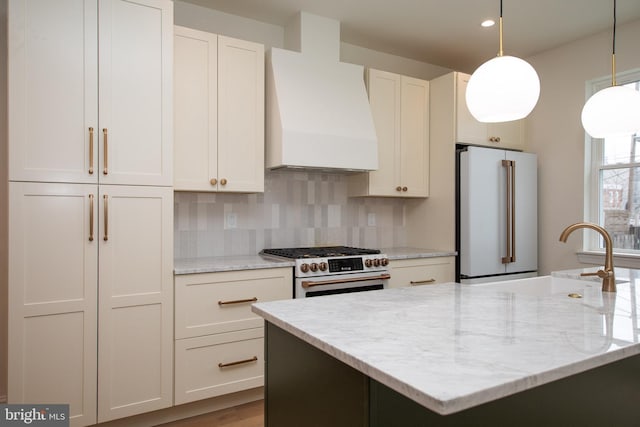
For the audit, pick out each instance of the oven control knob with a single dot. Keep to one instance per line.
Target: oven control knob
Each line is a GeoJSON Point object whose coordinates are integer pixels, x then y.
{"type": "Point", "coordinates": [376, 262]}
{"type": "Point", "coordinates": [323, 266]}
{"type": "Point", "coordinates": [304, 267]}
{"type": "Point", "coordinates": [368, 263]}
{"type": "Point", "coordinates": [384, 262]}
{"type": "Point", "coordinates": [313, 267]}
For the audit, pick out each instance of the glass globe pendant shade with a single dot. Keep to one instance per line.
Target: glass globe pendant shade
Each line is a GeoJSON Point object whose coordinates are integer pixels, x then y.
{"type": "Point", "coordinates": [503, 89]}
{"type": "Point", "coordinates": [613, 111]}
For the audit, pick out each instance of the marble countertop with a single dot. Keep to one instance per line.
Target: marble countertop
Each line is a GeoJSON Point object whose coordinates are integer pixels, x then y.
{"type": "Point", "coordinates": [450, 347]}
{"type": "Point", "coordinates": [251, 262]}
{"type": "Point", "coordinates": [226, 263]}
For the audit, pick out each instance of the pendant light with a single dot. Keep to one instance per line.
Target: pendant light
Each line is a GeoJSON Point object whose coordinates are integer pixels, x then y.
{"type": "Point", "coordinates": [502, 89]}
{"type": "Point", "coordinates": [613, 111]}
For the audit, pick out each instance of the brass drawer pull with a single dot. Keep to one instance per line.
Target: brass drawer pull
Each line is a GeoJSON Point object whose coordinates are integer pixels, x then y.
{"type": "Point", "coordinates": [239, 362]}
{"type": "Point", "coordinates": [213, 181]}
{"type": "Point", "coordinates": [90, 151]}
{"type": "Point", "coordinates": [91, 217]}
{"type": "Point", "coordinates": [422, 282]}
{"type": "Point", "coordinates": [238, 301]}
{"type": "Point", "coordinates": [223, 181]}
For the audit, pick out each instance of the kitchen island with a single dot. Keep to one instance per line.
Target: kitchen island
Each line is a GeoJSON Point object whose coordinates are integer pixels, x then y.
{"type": "Point", "coordinates": [511, 353]}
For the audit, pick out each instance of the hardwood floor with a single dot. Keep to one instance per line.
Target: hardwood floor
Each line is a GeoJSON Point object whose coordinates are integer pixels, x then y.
{"type": "Point", "coordinates": [247, 415]}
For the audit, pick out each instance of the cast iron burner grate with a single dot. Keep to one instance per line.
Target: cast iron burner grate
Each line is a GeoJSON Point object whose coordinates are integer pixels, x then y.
{"type": "Point", "coordinates": [319, 252]}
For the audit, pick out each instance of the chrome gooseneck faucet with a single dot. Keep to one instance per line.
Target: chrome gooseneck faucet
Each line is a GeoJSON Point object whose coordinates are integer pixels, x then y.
{"type": "Point", "coordinates": [607, 275]}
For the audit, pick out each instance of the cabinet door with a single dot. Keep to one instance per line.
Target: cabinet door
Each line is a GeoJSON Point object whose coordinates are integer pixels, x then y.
{"type": "Point", "coordinates": [506, 134]}
{"type": "Point", "coordinates": [52, 296]}
{"type": "Point", "coordinates": [240, 115]}
{"type": "Point", "coordinates": [135, 91]}
{"type": "Point", "coordinates": [195, 110]}
{"type": "Point", "coordinates": [136, 300]}
{"type": "Point", "coordinates": [414, 134]}
{"type": "Point", "coordinates": [471, 131]}
{"type": "Point", "coordinates": [53, 90]}
{"type": "Point", "coordinates": [468, 129]}
{"type": "Point", "coordinates": [384, 97]}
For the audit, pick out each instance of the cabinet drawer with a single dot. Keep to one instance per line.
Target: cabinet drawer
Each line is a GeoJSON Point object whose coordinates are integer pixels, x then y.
{"type": "Point", "coordinates": [214, 303]}
{"type": "Point", "coordinates": [422, 271]}
{"type": "Point", "coordinates": [218, 364]}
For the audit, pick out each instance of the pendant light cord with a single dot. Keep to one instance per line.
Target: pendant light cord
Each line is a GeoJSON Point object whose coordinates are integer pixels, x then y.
{"type": "Point", "coordinates": [613, 49]}
{"type": "Point", "coordinates": [501, 52]}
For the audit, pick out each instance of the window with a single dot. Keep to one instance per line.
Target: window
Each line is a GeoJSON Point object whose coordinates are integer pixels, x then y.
{"type": "Point", "coordinates": [613, 195]}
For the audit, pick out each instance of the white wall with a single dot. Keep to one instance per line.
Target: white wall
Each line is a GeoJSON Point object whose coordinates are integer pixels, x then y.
{"type": "Point", "coordinates": [555, 133]}
{"type": "Point", "coordinates": [205, 19]}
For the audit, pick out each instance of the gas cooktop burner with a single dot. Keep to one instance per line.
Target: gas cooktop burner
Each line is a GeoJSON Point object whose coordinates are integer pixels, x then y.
{"type": "Point", "coordinates": [319, 252]}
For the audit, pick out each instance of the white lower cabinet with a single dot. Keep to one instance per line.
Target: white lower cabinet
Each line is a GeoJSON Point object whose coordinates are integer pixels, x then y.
{"type": "Point", "coordinates": [90, 298]}
{"type": "Point", "coordinates": [53, 281]}
{"type": "Point", "coordinates": [219, 346]}
{"type": "Point", "coordinates": [421, 271]}
{"type": "Point", "coordinates": [135, 309]}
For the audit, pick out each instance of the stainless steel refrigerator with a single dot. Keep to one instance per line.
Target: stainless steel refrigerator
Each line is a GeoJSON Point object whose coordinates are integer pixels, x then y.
{"type": "Point", "coordinates": [497, 215]}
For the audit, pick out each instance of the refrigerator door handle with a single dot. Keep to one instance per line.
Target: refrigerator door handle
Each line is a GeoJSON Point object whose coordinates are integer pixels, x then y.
{"type": "Point", "coordinates": [510, 205]}
{"type": "Point", "coordinates": [513, 211]}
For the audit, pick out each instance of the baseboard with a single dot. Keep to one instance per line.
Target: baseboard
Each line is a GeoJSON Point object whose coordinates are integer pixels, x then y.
{"type": "Point", "coordinates": [188, 410]}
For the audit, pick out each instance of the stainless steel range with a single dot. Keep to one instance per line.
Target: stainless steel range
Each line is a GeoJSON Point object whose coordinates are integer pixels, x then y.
{"type": "Point", "coordinates": [334, 269]}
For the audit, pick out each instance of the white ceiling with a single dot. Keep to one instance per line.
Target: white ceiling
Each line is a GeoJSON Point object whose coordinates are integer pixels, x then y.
{"type": "Point", "coordinates": [447, 32]}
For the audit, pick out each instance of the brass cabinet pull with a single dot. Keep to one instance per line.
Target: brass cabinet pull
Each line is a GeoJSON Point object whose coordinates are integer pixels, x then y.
{"type": "Point", "coordinates": [91, 217]}
{"type": "Point", "coordinates": [105, 133]}
{"type": "Point", "coordinates": [213, 181]}
{"type": "Point", "coordinates": [404, 188]}
{"type": "Point", "coordinates": [398, 188]}
{"type": "Point", "coordinates": [239, 362]}
{"type": "Point", "coordinates": [422, 282]}
{"type": "Point", "coordinates": [223, 181]}
{"type": "Point", "coordinates": [310, 283]}
{"type": "Point", "coordinates": [106, 217]}
{"type": "Point", "coordinates": [238, 301]}
{"type": "Point", "coordinates": [494, 139]}
{"type": "Point", "coordinates": [91, 151]}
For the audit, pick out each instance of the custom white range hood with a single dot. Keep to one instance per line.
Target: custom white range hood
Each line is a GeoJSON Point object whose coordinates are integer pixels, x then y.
{"type": "Point", "coordinates": [318, 114]}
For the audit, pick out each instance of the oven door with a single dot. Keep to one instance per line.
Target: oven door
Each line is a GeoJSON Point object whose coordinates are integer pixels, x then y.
{"type": "Point", "coordinates": [341, 283]}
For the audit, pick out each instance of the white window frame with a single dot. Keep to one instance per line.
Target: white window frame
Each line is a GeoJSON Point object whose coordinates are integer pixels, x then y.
{"type": "Point", "coordinates": [594, 152]}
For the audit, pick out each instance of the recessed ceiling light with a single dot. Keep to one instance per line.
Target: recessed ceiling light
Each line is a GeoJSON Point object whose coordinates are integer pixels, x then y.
{"type": "Point", "coordinates": [488, 23]}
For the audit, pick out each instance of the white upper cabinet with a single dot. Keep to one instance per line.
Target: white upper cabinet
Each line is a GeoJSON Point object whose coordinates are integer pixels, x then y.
{"type": "Point", "coordinates": [90, 94]}
{"type": "Point", "coordinates": [471, 131]}
{"type": "Point", "coordinates": [218, 112]}
{"type": "Point", "coordinates": [400, 110]}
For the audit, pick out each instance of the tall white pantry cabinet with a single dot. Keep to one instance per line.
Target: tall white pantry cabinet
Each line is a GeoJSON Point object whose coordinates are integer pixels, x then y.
{"type": "Point", "coordinates": [90, 205]}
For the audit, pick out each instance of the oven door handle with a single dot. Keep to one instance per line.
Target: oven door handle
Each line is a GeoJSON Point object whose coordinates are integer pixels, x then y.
{"type": "Point", "coordinates": [310, 283]}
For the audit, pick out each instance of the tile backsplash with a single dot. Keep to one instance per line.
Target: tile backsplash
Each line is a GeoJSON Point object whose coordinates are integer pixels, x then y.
{"type": "Point", "coordinates": [297, 209]}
